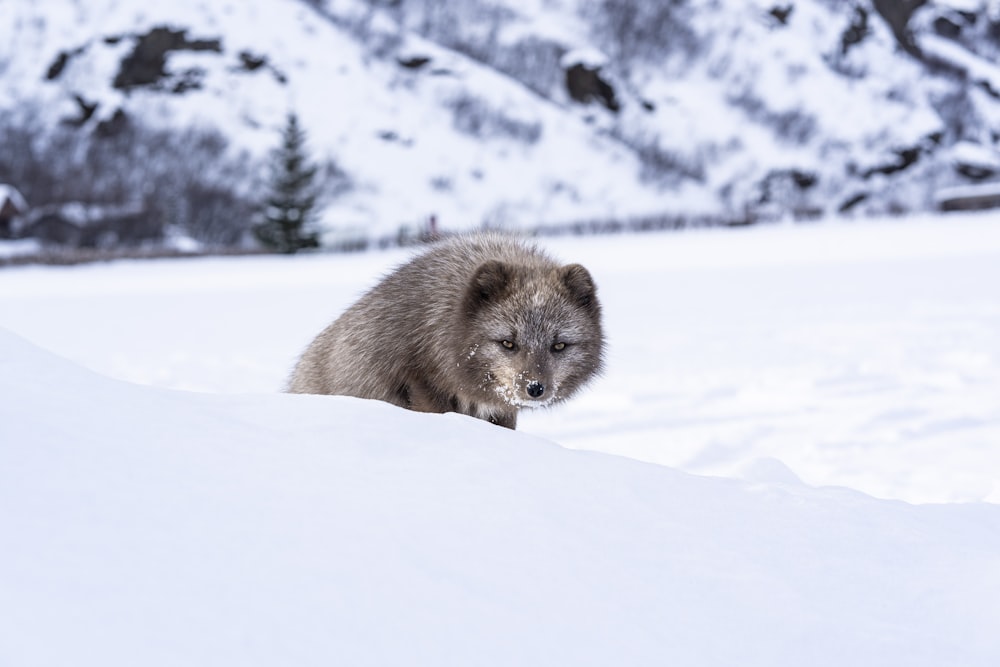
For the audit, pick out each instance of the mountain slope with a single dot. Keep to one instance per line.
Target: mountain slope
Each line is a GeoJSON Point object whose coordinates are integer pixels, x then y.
{"type": "Point", "coordinates": [455, 140]}
{"type": "Point", "coordinates": [520, 114]}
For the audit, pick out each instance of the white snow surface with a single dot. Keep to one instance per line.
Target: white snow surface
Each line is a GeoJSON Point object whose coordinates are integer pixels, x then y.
{"type": "Point", "coordinates": [174, 508]}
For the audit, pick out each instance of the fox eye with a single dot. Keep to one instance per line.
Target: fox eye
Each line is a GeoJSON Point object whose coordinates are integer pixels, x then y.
{"type": "Point", "coordinates": [508, 344]}
{"type": "Point", "coordinates": [559, 347]}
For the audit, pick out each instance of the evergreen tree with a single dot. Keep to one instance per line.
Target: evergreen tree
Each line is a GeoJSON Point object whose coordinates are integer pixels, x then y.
{"type": "Point", "coordinates": [288, 224]}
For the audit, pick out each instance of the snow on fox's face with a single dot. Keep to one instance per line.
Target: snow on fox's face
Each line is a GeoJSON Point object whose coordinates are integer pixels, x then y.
{"type": "Point", "coordinates": [533, 337]}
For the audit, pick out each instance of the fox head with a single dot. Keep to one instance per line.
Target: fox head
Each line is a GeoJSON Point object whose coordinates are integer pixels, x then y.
{"type": "Point", "coordinates": [531, 335]}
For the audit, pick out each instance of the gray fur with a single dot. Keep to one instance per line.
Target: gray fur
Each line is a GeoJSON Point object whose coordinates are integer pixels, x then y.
{"type": "Point", "coordinates": [430, 336]}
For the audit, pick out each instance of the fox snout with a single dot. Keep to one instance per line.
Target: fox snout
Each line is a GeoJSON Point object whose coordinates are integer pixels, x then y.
{"type": "Point", "coordinates": [526, 390]}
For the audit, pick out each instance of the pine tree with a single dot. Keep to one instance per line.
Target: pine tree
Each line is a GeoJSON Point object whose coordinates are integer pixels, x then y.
{"type": "Point", "coordinates": [288, 222]}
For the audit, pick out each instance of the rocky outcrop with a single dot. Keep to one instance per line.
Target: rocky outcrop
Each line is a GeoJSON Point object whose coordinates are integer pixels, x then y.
{"type": "Point", "coordinates": [584, 81]}
{"type": "Point", "coordinates": [146, 64]}
{"type": "Point", "coordinates": [897, 14]}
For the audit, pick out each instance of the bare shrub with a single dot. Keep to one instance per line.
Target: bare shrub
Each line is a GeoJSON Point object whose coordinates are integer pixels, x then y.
{"type": "Point", "coordinates": [791, 126]}
{"type": "Point", "coordinates": [476, 117]}
{"type": "Point", "coordinates": [660, 164]}
{"type": "Point", "coordinates": [188, 179]}
{"type": "Point", "coordinates": [639, 30]}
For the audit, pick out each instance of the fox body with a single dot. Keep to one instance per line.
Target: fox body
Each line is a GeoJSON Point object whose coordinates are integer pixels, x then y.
{"type": "Point", "coordinates": [483, 325]}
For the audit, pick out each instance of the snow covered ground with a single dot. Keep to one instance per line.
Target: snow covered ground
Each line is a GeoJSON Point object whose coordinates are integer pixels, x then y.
{"type": "Point", "coordinates": [856, 354]}
{"type": "Point", "coordinates": [226, 523]}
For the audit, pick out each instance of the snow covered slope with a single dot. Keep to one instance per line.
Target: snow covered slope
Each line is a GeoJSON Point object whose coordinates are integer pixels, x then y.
{"type": "Point", "coordinates": [863, 355]}
{"type": "Point", "coordinates": [463, 111]}
{"type": "Point", "coordinates": [149, 526]}
{"type": "Point", "coordinates": [458, 140]}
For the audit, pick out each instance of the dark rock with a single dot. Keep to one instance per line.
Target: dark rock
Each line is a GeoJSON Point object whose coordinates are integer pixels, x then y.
{"type": "Point", "coordinates": [803, 179]}
{"type": "Point", "coordinates": [415, 62]}
{"type": "Point", "coordinates": [781, 13]}
{"type": "Point", "coordinates": [857, 31]}
{"type": "Point", "coordinates": [146, 64]}
{"type": "Point", "coordinates": [251, 62]}
{"type": "Point", "coordinates": [906, 158]}
{"type": "Point", "coordinates": [113, 126]}
{"type": "Point", "coordinates": [58, 65]}
{"type": "Point", "coordinates": [946, 27]}
{"type": "Point", "coordinates": [897, 13]}
{"type": "Point", "coordinates": [585, 84]}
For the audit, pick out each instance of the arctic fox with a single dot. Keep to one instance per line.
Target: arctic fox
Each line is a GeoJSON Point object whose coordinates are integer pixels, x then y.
{"type": "Point", "coordinates": [483, 325]}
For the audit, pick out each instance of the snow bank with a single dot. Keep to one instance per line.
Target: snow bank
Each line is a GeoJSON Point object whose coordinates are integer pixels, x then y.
{"type": "Point", "coordinates": [587, 56]}
{"type": "Point", "coordinates": [154, 527]}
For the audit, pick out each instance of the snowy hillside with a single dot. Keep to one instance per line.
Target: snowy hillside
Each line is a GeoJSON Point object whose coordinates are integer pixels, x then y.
{"type": "Point", "coordinates": [477, 112]}
{"type": "Point", "coordinates": [455, 140]}
{"type": "Point", "coordinates": [149, 526]}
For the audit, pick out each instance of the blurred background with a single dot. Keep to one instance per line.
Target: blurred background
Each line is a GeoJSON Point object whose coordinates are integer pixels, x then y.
{"type": "Point", "coordinates": [137, 128]}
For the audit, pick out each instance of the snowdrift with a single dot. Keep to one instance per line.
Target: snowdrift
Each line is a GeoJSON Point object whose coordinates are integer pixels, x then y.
{"type": "Point", "coordinates": [155, 527]}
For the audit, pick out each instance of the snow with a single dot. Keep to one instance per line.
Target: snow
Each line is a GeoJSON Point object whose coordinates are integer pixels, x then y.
{"type": "Point", "coordinates": [348, 101]}
{"type": "Point", "coordinates": [161, 504]}
{"type": "Point", "coordinates": [991, 189]}
{"type": "Point", "coordinates": [19, 247]}
{"type": "Point", "coordinates": [963, 5]}
{"type": "Point", "coordinates": [976, 68]}
{"type": "Point", "coordinates": [827, 347]}
{"type": "Point", "coordinates": [460, 140]}
{"type": "Point", "coordinates": [588, 57]}
{"type": "Point", "coordinates": [976, 155]}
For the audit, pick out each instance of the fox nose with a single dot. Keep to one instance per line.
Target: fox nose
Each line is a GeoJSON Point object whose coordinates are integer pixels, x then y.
{"type": "Point", "coordinates": [535, 389]}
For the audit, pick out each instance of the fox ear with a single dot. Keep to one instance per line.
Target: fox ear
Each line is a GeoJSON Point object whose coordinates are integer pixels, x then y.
{"type": "Point", "coordinates": [489, 283]}
{"type": "Point", "coordinates": [579, 285]}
